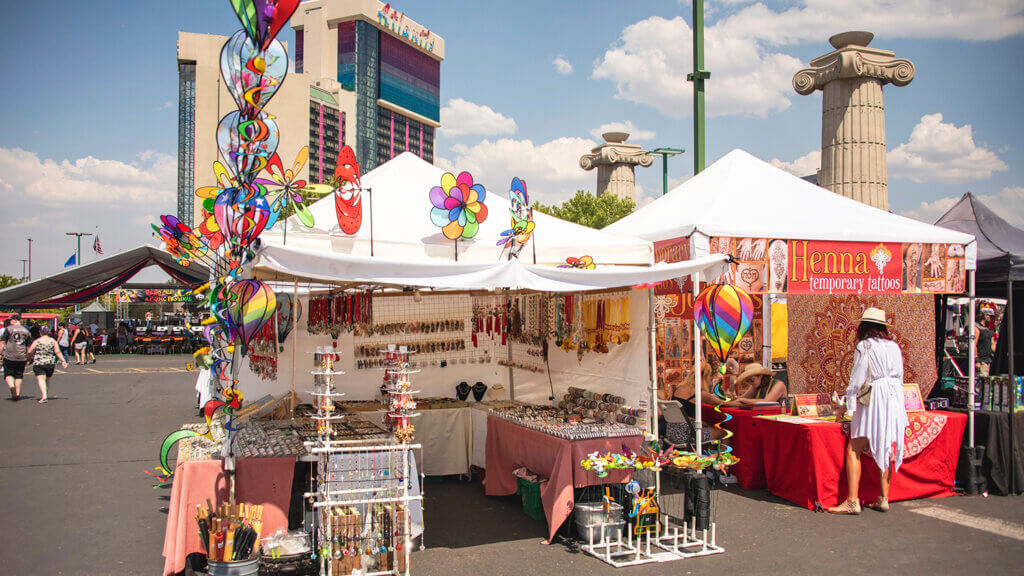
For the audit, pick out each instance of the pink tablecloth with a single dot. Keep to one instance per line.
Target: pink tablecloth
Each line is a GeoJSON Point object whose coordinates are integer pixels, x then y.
{"type": "Point", "coordinates": [510, 446]}
{"type": "Point", "coordinates": [264, 481]}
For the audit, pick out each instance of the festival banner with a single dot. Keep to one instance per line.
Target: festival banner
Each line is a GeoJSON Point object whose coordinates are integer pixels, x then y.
{"type": "Point", "coordinates": [764, 266]}
{"type": "Point", "coordinates": [135, 296]}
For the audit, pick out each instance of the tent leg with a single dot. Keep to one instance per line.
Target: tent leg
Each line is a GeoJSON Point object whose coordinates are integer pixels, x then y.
{"type": "Point", "coordinates": [295, 341]}
{"type": "Point", "coordinates": [766, 330]}
{"type": "Point", "coordinates": [1013, 382]}
{"type": "Point", "coordinates": [697, 384]}
{"type": "Point", "coordinates": [653, 411]}
{"type": "Point", "coordinates": [971, 342]}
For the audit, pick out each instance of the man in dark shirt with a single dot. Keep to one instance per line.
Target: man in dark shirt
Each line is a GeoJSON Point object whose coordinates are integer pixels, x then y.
{"type": "Point", "coordinates": [14, 351]}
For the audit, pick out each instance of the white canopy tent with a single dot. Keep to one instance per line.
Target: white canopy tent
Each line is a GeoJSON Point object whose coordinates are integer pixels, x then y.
{"type": "Point", "coordinates": [396, 222]}
{"type": "Point", "coordinates": [742, 196]}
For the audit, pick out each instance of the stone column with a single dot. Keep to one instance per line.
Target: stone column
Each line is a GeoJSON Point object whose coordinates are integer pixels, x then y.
{"type": "Point", "coordinates": [853, 114]}
{"type": "Point", "coordinates": [615, 161]}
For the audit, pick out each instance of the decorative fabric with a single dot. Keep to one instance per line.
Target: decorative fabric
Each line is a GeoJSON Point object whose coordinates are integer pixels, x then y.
{"type": "Point", "coordinates": [923, 429]}
{"type": "Point", "coordinates": [822, 329]}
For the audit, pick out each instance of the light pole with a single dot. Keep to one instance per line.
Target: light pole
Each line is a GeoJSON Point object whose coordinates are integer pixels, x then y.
{"type": "Point", "coordinates": [30, 259]}
{"type": "Point", "coordinates": [78, 250]}
{"type": "Point", "coordinates": [698, 77]}
{"type": "Point", "coordinates": [23, 261]}
{"type": "Point", "coordinates": [665, 154]}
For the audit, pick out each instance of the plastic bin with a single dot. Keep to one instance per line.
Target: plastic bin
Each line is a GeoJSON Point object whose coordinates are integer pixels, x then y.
{"type": "Point", "coordinates": [243, 568]}
{"type": "Point", "coordinates": [611, 531]}
{"type": "Point", "coordinates": [530, 493]}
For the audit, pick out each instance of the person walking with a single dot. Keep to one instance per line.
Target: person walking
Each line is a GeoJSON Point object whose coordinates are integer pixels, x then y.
{"type": "Point", "coordinates": [984, 341]}
{"type": "Point", "coordinates": [45, 352]}
{"type": "Point", "coordinates": [64, 340]}
{"type": "Point", "coordinates": [14, 352]}
{"type": "Point", "coordinates": [90, 344]}
{"type": "Point", "coordinates": [875, 399]}
{"type": "Point", "coordinates": [78, 340]}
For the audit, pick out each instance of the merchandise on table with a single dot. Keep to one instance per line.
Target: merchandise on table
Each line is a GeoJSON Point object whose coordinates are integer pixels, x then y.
{"type": "Point", "coordinates": [561, 424]}
{"type": "Point", "coordinates": [268, 439]}
{"type": "Point", "coordinates": [231, 533]}
{"type": "Point", "coordinates": [398, 393]}
{"type": "Point", "coordinates": [607, 407]}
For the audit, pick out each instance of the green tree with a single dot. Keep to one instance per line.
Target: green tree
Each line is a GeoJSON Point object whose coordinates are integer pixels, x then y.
{"type": "Point", "coordinates": [588, 210]}
{"type": "Point", "coordinates": [8, 281]}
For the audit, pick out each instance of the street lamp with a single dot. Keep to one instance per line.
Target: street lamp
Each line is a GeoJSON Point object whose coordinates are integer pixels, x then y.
{"type": "Point", "coordinates": [665, 154]}
{"type": "Point", "coordinates": [78, 251]}
{"type": "Point", "coordinates": [23, 261]}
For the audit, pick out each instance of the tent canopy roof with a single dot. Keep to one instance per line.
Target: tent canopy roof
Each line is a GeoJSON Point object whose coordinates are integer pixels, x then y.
{"type": "Point", "coordinates": [288, 262]}
{"type": "Point", "coordinates": [743, 196]}
{"type": "Point", "coordinates": [94, 307]}
{"type": "Point", "coordinates": [396, 194]}
{"type": "Point", "coordinates": [1000, 245]}
{"type": "Point", "coordinates": [87, 281]}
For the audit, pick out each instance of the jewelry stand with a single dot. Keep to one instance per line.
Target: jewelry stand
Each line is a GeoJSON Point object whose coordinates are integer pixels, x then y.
{"type": "Point", "coordinates": [362, 501]}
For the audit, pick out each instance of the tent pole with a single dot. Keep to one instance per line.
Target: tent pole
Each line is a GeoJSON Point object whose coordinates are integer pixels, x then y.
{"type": "Point", "coordinates": [1008, 313]}
{"type": "Point", "coordinates": [295, 340]}
{"type": "Point", "coordinates": [652, 413]}
{"type": "Point", "coordinates": [766, 330]}
{"type": "Point", "coordinates": [970, 357]}
{"type": "Point", "coordinates": [370, 191]}
{"type": "Point", "coordinates": [697, 383]}
{"type": "Point", "coordinates": [508, 347]}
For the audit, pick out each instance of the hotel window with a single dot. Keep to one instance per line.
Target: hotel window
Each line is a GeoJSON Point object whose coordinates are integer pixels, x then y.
{"type": "Point", "coordinates": [299, 49]}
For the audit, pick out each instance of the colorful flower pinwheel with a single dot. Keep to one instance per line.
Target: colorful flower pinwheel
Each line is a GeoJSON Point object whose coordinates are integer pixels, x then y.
{"type": "Point", "coordinates": [581, 263]}
{"type": "Point", "coordinates": [459, 207]}
{"type": "Point", "coordinates": [289, 185]}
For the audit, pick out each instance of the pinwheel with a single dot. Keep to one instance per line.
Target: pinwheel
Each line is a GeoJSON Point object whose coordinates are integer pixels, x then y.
{"type": "Point", "coordinates": [581, 263]}
{"type": "Point", "coordinates": [232, 401]}
{"type": "Point", "coordinates": [288, 186]}
{"type": "Point", "coordinates": [723, 313]}
{"type": "Point", "coordinates": [522, 219]}
{"type": "Point", "coordinates": [347, 190]}
{"type": "Point", "coordinates": [253, 304]}
{"type": "Point", "coordinates": [458, 206]}
{"type": "Point", "coordinates": [263, 19]}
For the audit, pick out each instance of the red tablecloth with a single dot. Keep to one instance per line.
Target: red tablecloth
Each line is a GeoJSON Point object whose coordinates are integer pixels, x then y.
{"type": "Point", "coordinates": [264, 481]}
{"type": "Point", "coordinates": [746, 444]}
{"type": "Point", "coordinates": [804, 464]}
{"type": "Point", "coordinates": [510, 446]}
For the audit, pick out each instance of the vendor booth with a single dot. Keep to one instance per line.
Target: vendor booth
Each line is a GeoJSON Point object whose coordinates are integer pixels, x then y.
{"type": "Point", "coordinates": [491, 343]}
{"type": "Point", "coordinates": [829, 258]}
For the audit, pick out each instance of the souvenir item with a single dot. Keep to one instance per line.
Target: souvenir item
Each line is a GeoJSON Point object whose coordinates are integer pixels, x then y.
{"type": "Point", "coordinates": [478, 391]}
{"type": "Point", "coordinates": [348, 191]}
{"type": "Point", "coordinates": [522, 219]}
{"type": "Point", "coordinates": [462, 391]}
{"type": "Point", "coordinates": [458, 206]}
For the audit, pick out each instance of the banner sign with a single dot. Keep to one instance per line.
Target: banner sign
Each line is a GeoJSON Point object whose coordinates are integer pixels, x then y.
{"type": "Point", "coordinates": [139, 296]}
{"type": "Point", "coordinates": [827, 267]}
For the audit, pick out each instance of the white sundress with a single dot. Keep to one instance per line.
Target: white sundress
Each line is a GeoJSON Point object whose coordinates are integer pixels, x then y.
{"type": "Point", "coordinates": [885, 420]}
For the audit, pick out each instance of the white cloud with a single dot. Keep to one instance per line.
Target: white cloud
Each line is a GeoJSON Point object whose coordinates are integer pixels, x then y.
{"type": "Point", "coordinates": [812, 20]}
{"type": "Point", "coordinates": [627, 126]}
{"type": "Point", "coordinates": [562, 66]}
{"type": "Point", "coordinates": [1008, 204]}
{"type": "Point", "coordinates": [551, 169]}
{"type": "Point", "coordinates": [942, 152]}
{"type": "Point", "coordinates": [803, 166]}
{"type": "Point", "coordinates": [43, 198]}
{"type": "Point", "coordinates": [651, 59]}
{"type": "Point", "coordinates": [461, 117]}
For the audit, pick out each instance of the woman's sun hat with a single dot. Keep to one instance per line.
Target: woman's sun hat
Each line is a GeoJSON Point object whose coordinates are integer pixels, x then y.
{"type": "Point", "coordinates": [751, 370]}
{"type": "Point", "coordinates": [875, 316]}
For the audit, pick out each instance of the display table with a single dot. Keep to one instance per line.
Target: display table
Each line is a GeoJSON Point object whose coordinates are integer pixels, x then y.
{"type": "Point", "coordinates": [478, 457]}
{"type": "Point", "coordinates": [263, 481]}
{"type": "Point", "coordinates": [804, 463]}
{"type": "Point", "coordinates": [510, 446]}
{"type": "Point", "coordinates": [446, 435]}
{"type": "Point", "coordinates": [992, 430]}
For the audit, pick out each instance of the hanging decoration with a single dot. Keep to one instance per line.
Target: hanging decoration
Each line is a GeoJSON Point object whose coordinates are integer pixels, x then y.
{"type": "Point", "coordinates": [723, 313]}
{"type": "Point", "coordinates": [458, 206]}
{"type": "Point", "coordinates": [252, 189]}
{"type": "Point", "coordinates": [348, 191]}
{"type": "Point", "coordinates": [522, 219]}
{"type": "Point", "coordinates": [581, 263]}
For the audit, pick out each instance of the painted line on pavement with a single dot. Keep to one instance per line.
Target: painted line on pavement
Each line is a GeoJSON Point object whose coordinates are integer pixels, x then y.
{"type": "Point", "coordinates": [994, 526]}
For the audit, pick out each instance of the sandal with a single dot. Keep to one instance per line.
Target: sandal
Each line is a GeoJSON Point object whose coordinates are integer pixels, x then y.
{"type": "Point", "coordinates": [851, 507]}
{"type": "Point", "coordinates": [43, 401]}
{"type": "Point", "coordinates": [882, 504]}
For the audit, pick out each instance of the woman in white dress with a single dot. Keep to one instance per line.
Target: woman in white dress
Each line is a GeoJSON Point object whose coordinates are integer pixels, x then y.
{"type": "Point", "coordinates": [879, 417]}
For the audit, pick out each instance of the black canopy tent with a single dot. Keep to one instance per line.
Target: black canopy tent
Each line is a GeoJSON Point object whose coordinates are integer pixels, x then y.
{"type": "Point", "coordinates": [88, 281]}
{"type": "Point", "coordinates": [1000, 265]}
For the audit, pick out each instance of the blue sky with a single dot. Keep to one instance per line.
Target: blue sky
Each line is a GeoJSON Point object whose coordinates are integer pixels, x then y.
{"type": "Point", "coordinates": [88, 126]}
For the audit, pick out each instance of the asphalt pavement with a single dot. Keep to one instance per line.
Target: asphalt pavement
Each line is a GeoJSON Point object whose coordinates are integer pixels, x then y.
{"type": "Point", "coordinates": [75, 501]}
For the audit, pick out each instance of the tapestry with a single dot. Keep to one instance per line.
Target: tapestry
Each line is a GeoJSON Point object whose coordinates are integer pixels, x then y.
{"type": "Point", "coordinates": [924, 427]}
{"type": "Point", "coordinates": [822, 329]}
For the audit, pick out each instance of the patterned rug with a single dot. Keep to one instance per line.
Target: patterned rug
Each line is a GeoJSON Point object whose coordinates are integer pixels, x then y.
{"type": "Point", "coordinates": [822, 329]}
{"type": "Point", "coordinates": [923, 429]}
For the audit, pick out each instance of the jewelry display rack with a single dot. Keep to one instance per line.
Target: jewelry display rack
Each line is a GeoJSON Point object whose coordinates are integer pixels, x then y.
{"type": "Point", "coordinates": [361, 504]}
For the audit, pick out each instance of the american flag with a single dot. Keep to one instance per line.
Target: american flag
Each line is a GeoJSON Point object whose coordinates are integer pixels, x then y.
{"type": "Point", "coordinates": [96, 245]}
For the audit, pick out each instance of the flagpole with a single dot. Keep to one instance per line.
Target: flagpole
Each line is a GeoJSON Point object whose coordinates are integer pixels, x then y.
{"type": "Point", "coordinates": [78, 250]}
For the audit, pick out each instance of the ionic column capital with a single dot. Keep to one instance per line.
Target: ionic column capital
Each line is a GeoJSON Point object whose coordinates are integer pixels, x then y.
{"type": "Point", "coordinates": [854, 62]}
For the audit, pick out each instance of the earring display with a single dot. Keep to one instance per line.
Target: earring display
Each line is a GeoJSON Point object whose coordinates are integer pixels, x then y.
{"type": "Point", "coordinates": [364, 489]}
{"type": "Point", "coordinates": [263, 352]}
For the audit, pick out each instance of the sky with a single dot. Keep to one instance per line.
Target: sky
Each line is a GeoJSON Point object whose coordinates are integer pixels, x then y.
{"type": "Point", "coordinates": [88, 113]}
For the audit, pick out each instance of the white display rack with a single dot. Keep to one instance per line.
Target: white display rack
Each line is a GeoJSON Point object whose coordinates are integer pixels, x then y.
{"type": "Point", "coordinates": [671, 542]}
